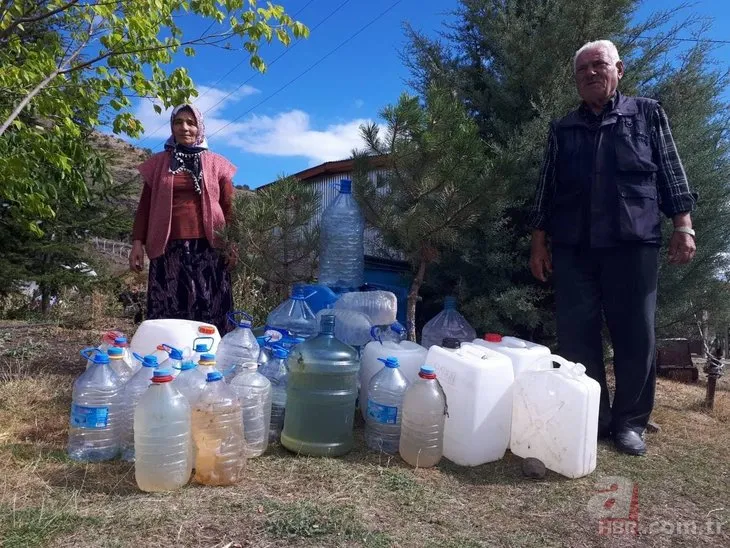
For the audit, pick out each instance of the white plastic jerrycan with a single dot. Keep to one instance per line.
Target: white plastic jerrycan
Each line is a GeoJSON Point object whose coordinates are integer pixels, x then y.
{"type": "Point", "coordinates": [178, 333]}
{"type": "Point", "coordinates": [525, 355]}
{"type": "Point", "coordinates": [478, 386]}
{"type": "Point", "coordinates": [411, 357]}
{"type": "Point", "coordinates": [555, 417]}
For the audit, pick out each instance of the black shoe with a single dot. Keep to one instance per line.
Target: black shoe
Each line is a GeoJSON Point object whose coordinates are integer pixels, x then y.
{"type": "Point", "coordinates": [630, 442]}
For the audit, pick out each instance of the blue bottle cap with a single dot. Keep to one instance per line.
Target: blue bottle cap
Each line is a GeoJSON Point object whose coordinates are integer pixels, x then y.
{"type": "Point", "coordinates": [201, 347]}
{"type": "Point", "coordinates": [175, 353]}
{"type": "Point", "coordinates": [115, 352]}
{"type": "Point", "coordinates": [186, 365]}
{"type": "Point", "coordinates": [449, 303]}
{"type": "Point", "coordinates": [280, 352]}
{"type": "Point", "coordinates": [390, 361]}
{"type": "Point", "coordinates": [214, 376]}
{"type": "Point", "coordinates": [150, 361]}
{"type": "Point", "coordinates": [207, 357]}
{"type": "Point", "coordinates": [427, 372]}
{"type": "Point", "coordinates": [120, 340]}
{"type": "Point", "coordinates": [101, 357]}
{"type": "Point", "coordinates": [161, 375]}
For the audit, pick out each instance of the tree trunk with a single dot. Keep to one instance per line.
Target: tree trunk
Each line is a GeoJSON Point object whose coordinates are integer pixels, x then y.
{"type": "Point", "coordinates": [413, 298]}
{"type": "Point", "coordinates": [45, 299]}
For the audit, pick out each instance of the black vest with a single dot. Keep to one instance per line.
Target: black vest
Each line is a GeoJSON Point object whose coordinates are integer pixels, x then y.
{"type": "Point", "coordinates": [606, 174]}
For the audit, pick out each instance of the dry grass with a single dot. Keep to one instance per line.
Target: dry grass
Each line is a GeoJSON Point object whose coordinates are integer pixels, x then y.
{"type": "Point", "coordinates": [363, 499]}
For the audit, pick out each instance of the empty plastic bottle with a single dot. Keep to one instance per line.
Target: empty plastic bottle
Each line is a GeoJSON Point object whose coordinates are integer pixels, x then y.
{"type": "Point", "coordinates": [352, 327]}
{"type": "Point", "coordinates": [292, 318]}
{"type": "Point", "coordinates": [380, 307]}
{"type": "Point", "coordinates": [254, 393]}
{"type": "Point", "coordinates": [133, 390]}
{"type": "Point", "coordinates": [277, 372]}
{"type": "Point", "coordinates": [162, 436]}
{"type": "Point", "coordinates": [174, 361]}
{"type": "Point", "coordinates": [119, 364]}
{"type": "Point", "coordinates": [190, 381]}
{"type": "Point", "coordinates": [237, 347]}
{"type": "Point", "coordinates": [95, 411]}
{"type": "Point", "coordinates": [121, 342]}
{"type": "Point", "coordinates": [394, 332]}
{"type": "Point", "coordinates": [264, 350]}
{"type": "Point", "coordinates": [341, 255]}
{"type": "Point", "coordinates": [448, 323]}
{"type": "Point", "coordinates": [385, 407]}
{"type": "Point", "coordinates": [218, 441]}
{"type": "Point", "coordinates": [200, 348]}
{"type": "Point", "coordinates": [422, 426]}
{"type": "Point", "coordinates": [321, 395]}
{"type": "Point", "coordinates": [207, 364]}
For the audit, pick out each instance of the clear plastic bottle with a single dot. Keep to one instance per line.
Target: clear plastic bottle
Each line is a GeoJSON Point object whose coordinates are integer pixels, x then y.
{"type": "Point", "coordinates": [174, 361]}
{"type": "Point", "coordinates": [200, 348]}
{"type": "Point", "coordinates": [254, 393]}
{"type": "Point", "coordinates": [385, 407]}
{"type": "Point", "coordinates": [190, 381]}
{"type": "Point", "coordinates": [119, 365]}
{"type": "Point", "coordinates": [277, 372]}
{"type": "Point", "coordinates": [321, 395]}
{"type": "Point", "coordinates": [162, 436]}
{"type": "Point", "coordinates": [264, 350]}
{"type": "Point", "coordinates": [448, 323]}
{"type": "Point", "coordinates": [422, 426]}
{"type": "Point", "coordinates": [95, 411]}
{"type": "Point", "coordinates": [207, 364]}
{"type": "Point", "coordinates": [292, 318]}
{"type": "Point", "coordinates": [219, 444]}
{"type": "Point", "coordinates": [394, 332]}
{"type": "Point", "coordinates": [237, 347]}
{"type": "Point", "coordinates": [380, 307]}
{"type": "Point", "coordinates": [121, 342]}
{"type": "Point", "coordinates": [341, 256]}
{"type": "Point", "coordinates": [133, 390]}
{"type": "Point", "coordinates": [352, 327]}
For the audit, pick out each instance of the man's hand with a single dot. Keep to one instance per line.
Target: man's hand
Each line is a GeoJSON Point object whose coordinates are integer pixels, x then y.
{"type": "Point", "coordinates": [681, 246]}
{"type": "Point", "coordinates": [540, 262]}
{"type": "Point", "coordinates": [136, 257]}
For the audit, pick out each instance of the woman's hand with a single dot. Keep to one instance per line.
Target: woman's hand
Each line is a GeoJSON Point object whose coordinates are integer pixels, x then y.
{"type": "Point", "coordinates": [136, 257]}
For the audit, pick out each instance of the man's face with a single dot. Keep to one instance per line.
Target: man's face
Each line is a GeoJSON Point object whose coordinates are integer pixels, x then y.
{"type": "Point", "coordinates": [596, 77]}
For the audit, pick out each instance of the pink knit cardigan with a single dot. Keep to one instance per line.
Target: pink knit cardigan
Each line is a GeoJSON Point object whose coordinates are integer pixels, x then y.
{"type": "Point", "coordinates": [156, 174]}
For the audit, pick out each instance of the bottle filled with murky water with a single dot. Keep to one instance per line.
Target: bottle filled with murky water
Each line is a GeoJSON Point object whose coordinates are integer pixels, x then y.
{"type": "Point", "coordinates": [254, 393]}
{"type": "Point", "coordinates": [133, 390]}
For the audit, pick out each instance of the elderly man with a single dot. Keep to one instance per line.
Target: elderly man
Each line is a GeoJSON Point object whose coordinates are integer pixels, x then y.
{"type": "Point", "coordinates": [610, 167]}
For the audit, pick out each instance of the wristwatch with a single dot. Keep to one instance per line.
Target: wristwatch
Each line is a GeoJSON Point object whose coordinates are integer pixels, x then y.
{"type": "Point", "coordinates": [685, 230]}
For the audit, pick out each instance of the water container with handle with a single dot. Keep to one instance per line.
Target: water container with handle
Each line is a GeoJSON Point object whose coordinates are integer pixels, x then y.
{"type": "Point", "coordinates": [385, 407]}
{"type": "Point", "coordinates": [238, 346]}
{"type": "Point", "coordinates": [133, 390]}
{"type": "Point", "coordinates": [292, 318]}
{"type": "Point", "coordinates": [119, 364]}
{"type": "Point", "coordinates": [175, 359]}
{"type": "Point", "coordinates": [162, 436]}
{"type": "Point", "coordinates": [525, 355]}
{"type": "Point", "coordinates": [254, 393]}
{"type": "Point", "coordinates": [422, 426]}
{"type": "Point", "coordinates": [218, 441]}
{"type": "Point", "coordinates": [277, 372]}
{"type": "Point", "coordinates": [555, 417]}
{"type": "Point", "coordinates": [95, 423]}
{"type": "Point", "coordinates": [410, 356]}
{"type": "Point", "coordinates": [201, 345]}
{"type": "Point", "coordinates": [121, 342]}
{"type": "Point", "coordinates": [190, 381]}
{"type": "Point", "coordinates": [321, 395]}
{"type": "Point", "coordinates": [177, 333]}
{"type": "Point", "coordinates": [318, 296]}
{"type": "Point", "coordinates": [447, 323]}
{"type": "Point", "coordinates": [477, 382]}
{"type": "Point", "coordinates": [394, 332]}
{"type": "Point", "coordinates": [380, 307]}
{"type": "Point", "coordinates": [342, 252]}
{"type": "Point", "coordinates": [207, 364]}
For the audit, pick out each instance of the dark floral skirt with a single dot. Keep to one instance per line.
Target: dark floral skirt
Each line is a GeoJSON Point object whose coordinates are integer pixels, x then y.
{"type": "Point", "coordinates": [190, 282]}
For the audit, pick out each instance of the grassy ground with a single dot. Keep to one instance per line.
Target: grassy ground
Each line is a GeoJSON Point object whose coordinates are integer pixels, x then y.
{"type": "Point", "coordinates": [364, 499]}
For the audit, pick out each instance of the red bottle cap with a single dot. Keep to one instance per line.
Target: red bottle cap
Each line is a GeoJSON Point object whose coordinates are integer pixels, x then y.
{"type": "Point", "coordinates": [493, 337]}
{"type": "Point", "coordinates": [206, 329]}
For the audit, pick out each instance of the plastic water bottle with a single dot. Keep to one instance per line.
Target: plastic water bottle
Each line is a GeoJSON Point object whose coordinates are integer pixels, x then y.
{"type": "Point", "coordinates": [237, 347]}
{"type": "Point", "coordinates": [422, 426]}
{"type": "Point", "coordinates": [174, 361]}
{"type": "Point", "coordinates": [352, 327]}
{"type": "Point", "coordinates": [276, 371]}
{"type": "Point", "coordinates": [293, 317]}
{"type": "Point", "coordinates": [207, 364]}
{"type": "Point", "coordinates": [380, 307]}
{"type": "Point", "coordinates": [385, 407]}
{"type": "Point", "coordinates": [200, 348]}
{"type": "Point", "coordinates": [190, 381]}
{"type": "Point", "coordinates": [448, 323]}
{"type": "Point", "coordinates": [254, 393]}
{"type": "Point", "coordinates": [162, 436]}
{"type": "Point", "coordinates": [264, 350]}
{"type": "Point", "coordinates": [219, 444]}
{"type": "Point", "coordinates": [119, 364]}
{"type": "Point", "coordinates": [341, 255]}
{"type": "Point", "coordinates": [95, 411]}
{"type": "Point", "coordinates": [133, 390]}
{"type": "Point", "coordinates": [121, 342]}
{"type": "Point", "coordinates": [394, 332]}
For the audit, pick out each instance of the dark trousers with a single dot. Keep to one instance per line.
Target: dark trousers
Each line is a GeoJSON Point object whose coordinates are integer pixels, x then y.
{"type": "Point", "coordinates": [619, 283]}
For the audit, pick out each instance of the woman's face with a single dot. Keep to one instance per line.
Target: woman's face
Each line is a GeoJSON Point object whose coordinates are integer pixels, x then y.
{"type": "Point", "coordinates": [185, 128]}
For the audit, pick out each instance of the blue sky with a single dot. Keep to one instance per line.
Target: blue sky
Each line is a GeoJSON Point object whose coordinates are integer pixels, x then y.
{"type": "Point", "coordinates": [267, 132]}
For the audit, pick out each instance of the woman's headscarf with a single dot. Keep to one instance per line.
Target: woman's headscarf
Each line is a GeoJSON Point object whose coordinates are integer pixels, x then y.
{"type": "Point", "coordinates": [187, 158]}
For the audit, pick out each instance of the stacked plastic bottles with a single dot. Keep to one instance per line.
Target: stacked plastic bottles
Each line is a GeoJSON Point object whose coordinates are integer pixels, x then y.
{"type": "Point", "coordinates": [448, 323]}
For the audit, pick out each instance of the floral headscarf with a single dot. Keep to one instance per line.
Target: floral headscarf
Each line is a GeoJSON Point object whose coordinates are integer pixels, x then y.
{"type": "Point", "coordinates": [188, 158]}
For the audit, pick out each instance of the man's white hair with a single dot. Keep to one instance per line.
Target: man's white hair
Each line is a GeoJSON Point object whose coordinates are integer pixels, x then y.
{"type": "Point", "coordinates": [609, 46]}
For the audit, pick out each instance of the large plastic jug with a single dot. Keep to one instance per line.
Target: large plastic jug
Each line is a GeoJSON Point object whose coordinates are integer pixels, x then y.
{"type": "Point", "coordinates": [190, 381]}
{"type": "Point", "coordinates": [174, 359]}
{"type": "Point", "coordinates": [320, 408]}
{"type": "Point", "coordinates": [477, 382]}
{"type": "Point", "coordinates": [162, 436]}
{"type": "Point", "coordinates": [237, 347]}
{"type": "Point", "coordinates": [410, 356]}
{"type": "Point", "coordinates": [119, 365]}
{"type": "Point", "coordinates": [220, 448]}
{"type": "Point", "coordinates": [422, 426]}
{"type": "Point", "coordinates": [525, 355]}
{"type": "Point", "coordinates": [352, 327]}
{"type": "Point", "coordinates": [292, 318]}
{"type": "Point", "coordinates": [318, 297]}
{"type": "Point", "coordinates": [341, 250]}
{"type": "Point", "coordinates": [277, 372]}
{"type": "Point", "coordinates": [201, 345]}
{"type": "Point", "coordinates": [178, 333]}
{"type": "Point", "coordinates": [385, 407]}
{"type": "Point", "coordinates": [448, 323]}
{"type": "Point", "coordinates": [555, 418]}
{"type": "Point", "coordinates": [380, 307]}
{"type": "Point", "coordinates": [133, 390]}
{"type": "Point", "coordinates": [254, 394]}
{"type": "Point", "coordinates": [95, 424]}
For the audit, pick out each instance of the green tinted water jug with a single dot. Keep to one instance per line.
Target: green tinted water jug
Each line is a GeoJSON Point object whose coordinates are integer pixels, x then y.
{"type": "Point", "coordinates": [321, 395]}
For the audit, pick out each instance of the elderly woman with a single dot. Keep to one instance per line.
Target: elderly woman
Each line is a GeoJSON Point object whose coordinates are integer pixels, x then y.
{"type": "Point", "coordinates": [185, 202]}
